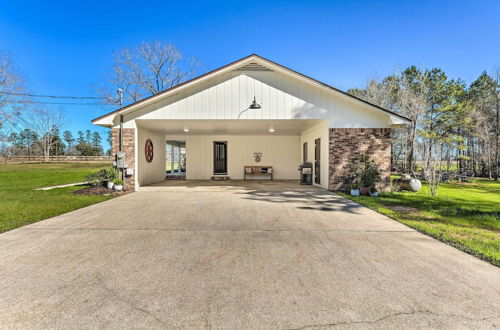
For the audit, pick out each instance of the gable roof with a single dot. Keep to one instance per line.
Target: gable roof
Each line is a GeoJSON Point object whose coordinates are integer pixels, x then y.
{"type": "Point", "coordinates": [159, 96]}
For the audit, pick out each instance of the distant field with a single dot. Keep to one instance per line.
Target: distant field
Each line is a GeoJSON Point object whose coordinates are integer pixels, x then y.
{"type": "Point", "coordinates": [21, 205]}
{"type": "Point", "coordinates": [464, 215]}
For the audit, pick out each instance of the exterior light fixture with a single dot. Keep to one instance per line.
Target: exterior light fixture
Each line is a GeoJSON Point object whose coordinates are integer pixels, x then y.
{"type": "Point", "coordinates": [186, 130]}
{"type": "Point", "coordinates": [252, 106]}
{"type": "Point", "coordinates": [272, 130]}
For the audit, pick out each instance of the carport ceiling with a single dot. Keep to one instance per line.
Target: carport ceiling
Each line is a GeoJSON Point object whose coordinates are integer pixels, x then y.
{"type": "Point", "coordinates": [230, 127]}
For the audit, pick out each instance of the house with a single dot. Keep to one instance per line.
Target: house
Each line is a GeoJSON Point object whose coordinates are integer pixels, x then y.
{"type": "Point", "coordinates": [251, 112]}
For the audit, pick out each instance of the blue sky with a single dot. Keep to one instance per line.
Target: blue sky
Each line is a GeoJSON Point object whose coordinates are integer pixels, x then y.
{"type": "Point", "coordinates": [65, 47]}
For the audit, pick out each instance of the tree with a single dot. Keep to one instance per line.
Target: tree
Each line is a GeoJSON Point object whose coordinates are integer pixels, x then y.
{"type": "Point", "coordinates": [46, 122]}
{"type": "Point", "coordinates": [10, 105]}
{"type": "Point", "coordinates": [87, 149]}
{"type": "Point", "coordinates": [69, 139]}
{"type": "Point", "coordinates": [148, 69]}
{"type": "Point", "coordinates": [96, 139]}
{"type": "Point", "coordinates": [57, 144]}
{"type": "Point", "coordinates": [402, 94]}
{"type": "Point", "coordinates": [88, 136]}
{"type": "Point", "coordinates": [109, 139]}
{"type": "Point", "coordinates": [81, 137]}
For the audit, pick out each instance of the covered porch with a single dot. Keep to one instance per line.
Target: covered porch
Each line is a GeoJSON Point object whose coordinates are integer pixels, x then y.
{"type": "Point", "coordinates": [205, 149]}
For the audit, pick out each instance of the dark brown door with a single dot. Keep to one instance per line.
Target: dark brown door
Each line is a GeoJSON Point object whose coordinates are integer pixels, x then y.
{"type": "Point", "coordinates": [220, 157]}
{"type": "Point", "coordinates": [317, 161]}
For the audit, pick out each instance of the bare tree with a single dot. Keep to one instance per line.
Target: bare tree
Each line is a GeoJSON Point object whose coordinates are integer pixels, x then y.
{"type": "Point", "coordinates": [46, 122]}
{"type": "Point", "coordinates": [11, 83]}
{"type": "Point", "coordinates": [148, 69]}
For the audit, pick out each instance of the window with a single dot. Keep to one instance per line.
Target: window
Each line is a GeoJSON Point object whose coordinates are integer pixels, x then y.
{"type": "Point", "coordinates": [304, 152]}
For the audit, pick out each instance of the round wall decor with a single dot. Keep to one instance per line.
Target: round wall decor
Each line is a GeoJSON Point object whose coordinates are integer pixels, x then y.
{"type": "Point", "coordinates": [148, 151]}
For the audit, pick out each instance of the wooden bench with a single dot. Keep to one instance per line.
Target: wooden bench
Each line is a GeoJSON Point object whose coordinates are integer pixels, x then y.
{"type": "Point", "coordinates": [258, 171]}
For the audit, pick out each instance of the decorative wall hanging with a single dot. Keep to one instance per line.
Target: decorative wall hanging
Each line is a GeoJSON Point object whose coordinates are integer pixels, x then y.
{"type": "Point", "coordinates": [258, 156]}
{"type": "Point", "coordinates": [148, 151]}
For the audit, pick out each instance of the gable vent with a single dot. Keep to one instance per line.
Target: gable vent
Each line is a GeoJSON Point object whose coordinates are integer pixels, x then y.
{"type": "Point", "coordinates": [253, 67]}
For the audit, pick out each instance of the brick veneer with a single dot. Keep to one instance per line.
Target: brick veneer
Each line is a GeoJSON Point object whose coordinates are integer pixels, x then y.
{"type": "Point", "coordinates": [129, 148]}
{"type": "Point", "coordinates": [348, 145]}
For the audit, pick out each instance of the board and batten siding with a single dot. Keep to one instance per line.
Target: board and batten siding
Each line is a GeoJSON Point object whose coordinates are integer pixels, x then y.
{"type": "Point", "coordinates": [155, 171]}
{"type": "Point", "coordinates": [319, 131]}
{"type": "Point", "coordinates": [281, 152]}
{"type": "Point", "coordinates": [225, 96]}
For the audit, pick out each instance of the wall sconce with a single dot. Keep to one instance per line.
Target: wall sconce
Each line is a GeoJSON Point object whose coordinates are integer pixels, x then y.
{"type": "Point", "coordinates": [254, 105]}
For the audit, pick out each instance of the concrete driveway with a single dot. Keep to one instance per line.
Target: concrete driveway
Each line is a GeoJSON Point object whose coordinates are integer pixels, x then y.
{"type": "Point", "coordinates": [234, 255]}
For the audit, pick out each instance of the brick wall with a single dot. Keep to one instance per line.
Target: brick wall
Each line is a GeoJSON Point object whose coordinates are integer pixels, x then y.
{"type": "Point", "coordinates": [348, 145]}
{"type": "Point", "coordinates": [129, 149]}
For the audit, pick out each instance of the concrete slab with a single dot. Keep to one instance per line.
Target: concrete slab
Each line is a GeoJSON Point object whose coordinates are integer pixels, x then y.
{"type": "Point", "coordinates": [238, 255]}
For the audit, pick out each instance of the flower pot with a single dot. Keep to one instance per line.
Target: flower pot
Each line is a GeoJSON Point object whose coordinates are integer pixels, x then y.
{"type": "Point", "coordinates": [110, 184]}
{"type": "Point", "coordinates": [374, 194]}
{"type": "Point", "coordinates": [118, 187]}
{"type": "Point", "coordinates": [354, 192]}
{"type": "Point", "coordinates": [365, 191]}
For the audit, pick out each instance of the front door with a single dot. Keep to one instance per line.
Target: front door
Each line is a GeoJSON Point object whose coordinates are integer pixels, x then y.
{"type": "Point", "coordinates": [317, 157]}
{"type": "Point", "coordinates": [220, 157]}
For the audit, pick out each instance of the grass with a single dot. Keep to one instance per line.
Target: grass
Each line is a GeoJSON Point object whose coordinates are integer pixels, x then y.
{"type": "Point", "coordinates": [21, 205]}
{"type": "Point", "coordinates": [169, 166]}
{"type": "Point", "coordinates": [464, 215]}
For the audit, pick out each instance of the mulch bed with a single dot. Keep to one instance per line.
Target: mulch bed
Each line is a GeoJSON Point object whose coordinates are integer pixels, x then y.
{"type": "Point", "coordinates": [97, 190]}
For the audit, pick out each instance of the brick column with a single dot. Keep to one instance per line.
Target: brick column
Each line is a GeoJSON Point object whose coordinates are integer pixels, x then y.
{"type": "Point", "coordinates": [347, 146]}
{"type": "Point", "coordinates": [129, 148]}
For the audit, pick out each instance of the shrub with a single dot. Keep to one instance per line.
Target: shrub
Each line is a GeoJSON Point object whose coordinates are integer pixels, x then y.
{"type": "Point", "coordinates": [97, 178]}
{"type": "Point", "coordinates": [112, 174]}
{"type": "Point", "coordinates": [101, 176]}
{"type": "Point", "coordinates": [118, 182]}
{"type": "Point", "coordinates": [368, 174]}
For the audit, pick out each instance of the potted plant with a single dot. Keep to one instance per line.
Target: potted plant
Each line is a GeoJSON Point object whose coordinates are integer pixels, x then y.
{"type": "Point", "coordinates": [112, 175]}
{"type": "Point", "coordinates": [354, 189]}
{"type": "Point", "coordinates": [374, 192]}
{"type": "Point", "coordinates": [118, 185]}
{"type": "Point", "coordinates": [368, 176]}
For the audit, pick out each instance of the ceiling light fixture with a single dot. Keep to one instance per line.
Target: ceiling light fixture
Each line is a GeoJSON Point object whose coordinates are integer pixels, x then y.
{"type": "Point", "coordinates": [272, 130]}
{"type": "Point", "coordinates": [186, 130]}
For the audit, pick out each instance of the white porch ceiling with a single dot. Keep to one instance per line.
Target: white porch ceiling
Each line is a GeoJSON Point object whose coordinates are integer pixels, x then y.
{"type": "Point", "coordinates": [229, 127]}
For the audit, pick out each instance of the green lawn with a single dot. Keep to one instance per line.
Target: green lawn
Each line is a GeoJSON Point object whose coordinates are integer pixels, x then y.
{"type": "Point", "coordinates": [21, 205]}
{"type": "Point", "coordinates": [169, 165]}
{"type": "Point", "coordinates": [464, 215]}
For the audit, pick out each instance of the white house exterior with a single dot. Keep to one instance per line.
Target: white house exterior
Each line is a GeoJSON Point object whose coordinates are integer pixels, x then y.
{"type": "Point", "coordinates": [294, 110]}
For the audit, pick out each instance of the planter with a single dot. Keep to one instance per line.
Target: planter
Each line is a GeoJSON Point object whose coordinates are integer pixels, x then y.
{"type": "Point", "coordinates": [118, 187]}
{"type": "Point", "coordinates": [374, 194]}
{"type": "Point", "coordinates": [354, 192]}
{"type": "Point", "coordinates": [110, 184]}
{"type": "Point", "coordinates": [365, 191]}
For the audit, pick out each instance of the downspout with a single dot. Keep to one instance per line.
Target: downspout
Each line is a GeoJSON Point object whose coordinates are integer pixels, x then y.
{"type": "Point", "coordinates": [120, 100]}
{"type": "Point", "coordinates": [121, 133]}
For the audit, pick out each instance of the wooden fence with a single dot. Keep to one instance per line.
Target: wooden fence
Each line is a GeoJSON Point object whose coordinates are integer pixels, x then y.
{"type": "Point", "coordinates": [27, 159]}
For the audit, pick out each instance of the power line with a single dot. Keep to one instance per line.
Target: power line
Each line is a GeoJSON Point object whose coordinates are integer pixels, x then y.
{"type": "Point", "coordinates": [62, 103]}
{"type": "Point", "coordinates": [58, 97]}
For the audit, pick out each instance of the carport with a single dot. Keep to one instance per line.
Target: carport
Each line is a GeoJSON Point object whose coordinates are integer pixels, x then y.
{"type": "Point", "coordinates": [280, 145]}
